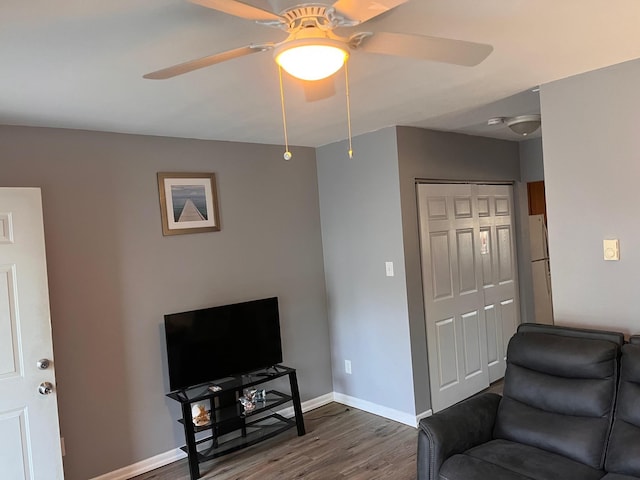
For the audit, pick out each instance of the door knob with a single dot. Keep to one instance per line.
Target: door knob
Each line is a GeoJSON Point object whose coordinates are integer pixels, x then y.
{"type": "Point", "coordinates": [45, 388]}
{"type": "Point", "coordinates": [43, 363]}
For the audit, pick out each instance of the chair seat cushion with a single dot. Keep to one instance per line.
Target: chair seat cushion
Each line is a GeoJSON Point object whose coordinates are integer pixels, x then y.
{"type": "Point", "coordinates": [617, 476]}
{"type": "Point", "coordinates": [506, 460]}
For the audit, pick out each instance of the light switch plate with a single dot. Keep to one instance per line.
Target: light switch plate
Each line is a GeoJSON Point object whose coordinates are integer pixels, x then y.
{"type": "Point", "coordinates": [389, 268]}
{"type": "Point", "coordinates": [611, 249]}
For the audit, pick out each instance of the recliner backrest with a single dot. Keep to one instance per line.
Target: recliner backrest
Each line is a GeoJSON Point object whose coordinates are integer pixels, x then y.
{"type": "Point", "coordinates": [623, 452]}
{"type": "Point", "coordinates": [559, 391]}
{"type": "Point", "coordinates": [615, 337]}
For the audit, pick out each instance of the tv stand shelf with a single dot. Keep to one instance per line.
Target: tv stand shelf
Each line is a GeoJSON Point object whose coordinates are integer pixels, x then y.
{"type": "Point", "coordinates": [230, 428]}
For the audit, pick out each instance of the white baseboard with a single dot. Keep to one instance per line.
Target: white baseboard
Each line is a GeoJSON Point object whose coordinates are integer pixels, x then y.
{"type": "Point", "coordinates": [422, 415]}
{"type": "Point", "coordinates": [144, 466]}
{"type": "Point", "coordinates": [308, 405]}
{"type": "Point", "coordinates": [382, 411]}
{"type": "Point", "coordinates": [173, 455]}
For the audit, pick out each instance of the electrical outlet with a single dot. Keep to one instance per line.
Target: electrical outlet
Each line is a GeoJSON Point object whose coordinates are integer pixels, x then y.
{"type": "Point", "coordinates": [347, 366]}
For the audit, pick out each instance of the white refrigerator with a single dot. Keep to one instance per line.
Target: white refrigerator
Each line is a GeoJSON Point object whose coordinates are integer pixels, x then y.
{"type": "Point", "coordinates": [540, 272]}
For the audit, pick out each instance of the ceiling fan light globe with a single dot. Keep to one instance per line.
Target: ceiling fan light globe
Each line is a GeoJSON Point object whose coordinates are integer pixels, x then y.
{"type": "Point", "coordinates": [311, 61]}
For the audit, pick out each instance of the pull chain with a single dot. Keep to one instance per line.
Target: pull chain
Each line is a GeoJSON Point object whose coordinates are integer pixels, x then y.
{"type": "Point", "coordinates": [287, 154]}
{"type": "Point", "coordinates": [346, 77]}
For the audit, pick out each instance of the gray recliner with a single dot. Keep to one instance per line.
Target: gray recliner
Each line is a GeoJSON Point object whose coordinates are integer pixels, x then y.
{"type": "Point", "coordinates": [552, 423]}
{"type": "Point", "coordinates": [623, 452]}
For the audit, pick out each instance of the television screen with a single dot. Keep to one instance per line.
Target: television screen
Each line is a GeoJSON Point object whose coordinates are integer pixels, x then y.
{"type": "Point", "coordinates": [214, 343]}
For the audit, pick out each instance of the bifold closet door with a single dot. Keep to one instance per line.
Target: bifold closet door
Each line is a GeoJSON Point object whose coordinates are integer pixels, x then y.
{"type": "Point", "coordinates": [465, 244]}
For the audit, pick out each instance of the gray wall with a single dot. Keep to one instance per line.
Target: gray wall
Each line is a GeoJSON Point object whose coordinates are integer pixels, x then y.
{"type": "Point", "coordinates": [113, 276]}
{"type": "Point", "coordinates": [426, 154]}
{"type": "Point", "coordinates": [592, 166]}
{"type": "Point", "coordinates": [531, 160]}
{"type": "Point", "coordinates": [361, 229]}
{"type": "Point", "coordinates": [369, 216]}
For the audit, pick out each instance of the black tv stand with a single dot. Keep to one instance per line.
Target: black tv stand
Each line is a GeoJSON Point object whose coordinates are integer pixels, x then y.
{"type": "Point", "coordinates": [267, 371]}
{"type": "Point", "coordinates": [232, 429]}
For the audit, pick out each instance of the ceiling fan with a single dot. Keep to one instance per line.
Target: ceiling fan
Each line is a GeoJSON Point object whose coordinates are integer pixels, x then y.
{"type": "Point", "coordinates": [310, 29]}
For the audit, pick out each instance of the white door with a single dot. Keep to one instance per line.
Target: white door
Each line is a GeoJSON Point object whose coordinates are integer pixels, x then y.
{"type": "Point", "coordinates": [29, 431]}
{"type": "Point", "coordinates": [469, 281]}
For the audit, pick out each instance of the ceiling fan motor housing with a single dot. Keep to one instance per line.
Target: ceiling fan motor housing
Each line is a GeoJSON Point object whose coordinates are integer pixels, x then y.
{"type": "Point", "coordinates": [296, 17]}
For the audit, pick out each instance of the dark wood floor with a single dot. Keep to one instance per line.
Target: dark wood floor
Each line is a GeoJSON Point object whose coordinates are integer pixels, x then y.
{"type": "Point", "coordinates": [496, 387]}
{"type": "Point", "coordinates": [341, 443]}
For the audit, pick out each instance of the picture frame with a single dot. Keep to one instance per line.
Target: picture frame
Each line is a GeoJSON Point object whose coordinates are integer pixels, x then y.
{"type": "Point", "coordinates": [188, 202]}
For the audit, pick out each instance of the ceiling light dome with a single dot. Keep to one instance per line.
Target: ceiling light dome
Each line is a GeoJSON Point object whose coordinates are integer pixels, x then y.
{"type": "Point", "coordinates": [311, 55]}
{"type": "Point", "coordinates": [524, 124]}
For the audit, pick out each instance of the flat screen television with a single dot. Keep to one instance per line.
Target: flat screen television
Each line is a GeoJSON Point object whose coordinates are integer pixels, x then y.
{"type": "Point", "coordinates": [213, 343]}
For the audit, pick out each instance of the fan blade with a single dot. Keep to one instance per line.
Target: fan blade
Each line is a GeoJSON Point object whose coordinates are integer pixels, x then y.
{"type": "Point", "coordinates": [364, 10]}
{"type": "Point", "coordinates": [423, 47]}
{"type": "Point", "coordinates": [206, 61]}
{"type": "Point", "coordinates": [240, 9]}
{"type": "Point", "coordinates": [319, 89]}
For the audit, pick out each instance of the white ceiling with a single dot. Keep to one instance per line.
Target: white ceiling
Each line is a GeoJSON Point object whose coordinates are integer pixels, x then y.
{"type": "Point", "coordinates": [79, 64]}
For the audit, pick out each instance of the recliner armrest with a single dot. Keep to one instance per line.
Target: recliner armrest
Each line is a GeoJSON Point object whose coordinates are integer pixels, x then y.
{"type": "Point", "coordinates": [455, 430]}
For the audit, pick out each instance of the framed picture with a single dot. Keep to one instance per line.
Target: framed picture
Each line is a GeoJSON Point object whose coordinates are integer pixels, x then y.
{"type": "Point", "coordinates": [188, 202]}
